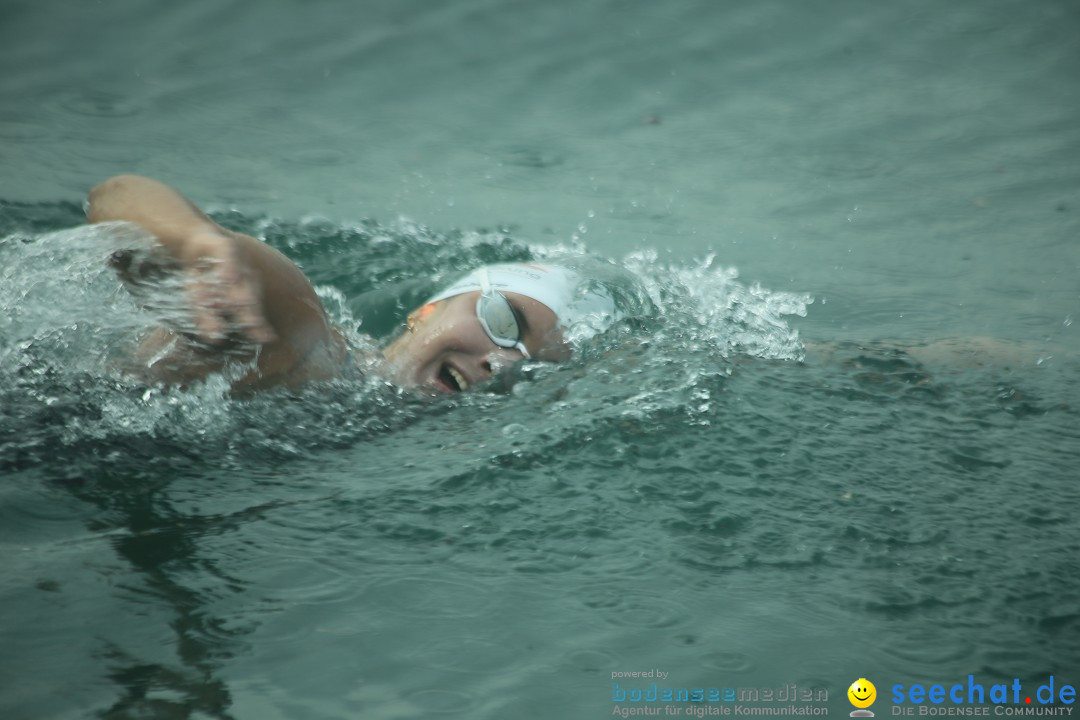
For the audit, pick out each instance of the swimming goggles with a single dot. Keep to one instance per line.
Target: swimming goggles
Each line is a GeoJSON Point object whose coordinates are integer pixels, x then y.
{"type": "Point", "coordinates": [498, 317]}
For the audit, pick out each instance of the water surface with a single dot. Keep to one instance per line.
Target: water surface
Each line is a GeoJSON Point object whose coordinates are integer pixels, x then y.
{"type": "Point", "coordinates": [776, 474]}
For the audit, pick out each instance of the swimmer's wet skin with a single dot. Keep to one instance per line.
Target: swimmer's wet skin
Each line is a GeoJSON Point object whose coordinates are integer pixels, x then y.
{"type": "Point", "coordinates": [490, 319]}
{"type": "Point", "coordinates": [252, 300]}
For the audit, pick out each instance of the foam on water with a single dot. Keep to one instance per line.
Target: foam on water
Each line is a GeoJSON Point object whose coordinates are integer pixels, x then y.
{"type": "Point", "coordinates": [684, 493]}
{"type": "Point", "coordinates": [683, 462]}
{"type": "Point", "coordinates": [69, 325]}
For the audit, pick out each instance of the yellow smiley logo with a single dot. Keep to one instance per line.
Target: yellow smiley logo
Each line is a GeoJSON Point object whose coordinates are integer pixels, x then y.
{"type": "Point", "coordinates": [862, 693]}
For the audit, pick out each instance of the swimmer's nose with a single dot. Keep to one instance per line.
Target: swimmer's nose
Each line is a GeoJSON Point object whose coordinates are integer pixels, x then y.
{"type": "Point", "coordinates": [498, 360]}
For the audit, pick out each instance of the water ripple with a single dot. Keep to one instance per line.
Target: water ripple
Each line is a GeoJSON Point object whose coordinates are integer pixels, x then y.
{"type": "Point", "coordinates": [474, 655]}
{"type": "Point", "coordinates": [925, 649]}
{"type": "Point", "coordinates": [635, 608]}
{"type": "Point", "coordinates": [22, 131]}
{"type": "Point", "coordinates": [728, 662]}
{"type": "Point", "coordinates": [97, 103]}
{"type": "Point", "coordinates": [594, 660]}
{"type": "Point", "coordinates": [443, 701]}
{"type": "Point", "coordinates": [428, 598]}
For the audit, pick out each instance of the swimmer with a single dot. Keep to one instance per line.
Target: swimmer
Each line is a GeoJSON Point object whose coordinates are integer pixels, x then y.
{"type": "Point", "coordinates": [253, 308]}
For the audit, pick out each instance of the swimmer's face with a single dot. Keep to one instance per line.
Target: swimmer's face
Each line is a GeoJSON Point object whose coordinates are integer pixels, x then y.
{"type": "Point", "coordinates": [449, 351]}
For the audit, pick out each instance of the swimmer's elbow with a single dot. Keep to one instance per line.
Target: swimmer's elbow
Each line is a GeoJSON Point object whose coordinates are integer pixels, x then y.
{"type": "Point", "coordinates": [105, 200]}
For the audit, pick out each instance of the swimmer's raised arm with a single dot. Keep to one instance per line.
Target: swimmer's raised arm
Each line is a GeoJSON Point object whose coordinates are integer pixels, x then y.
{"type": "Point", "coordinates": [240, 290]}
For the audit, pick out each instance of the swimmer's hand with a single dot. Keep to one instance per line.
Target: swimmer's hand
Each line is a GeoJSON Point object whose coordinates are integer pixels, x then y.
{"type": "Point", "coordinates": [223, 290]}
{"type": "Point", "coordinates": [205, 289]}
{"type": "Point", "coordinates": [218, 288]}
{"type": "Point", "coordinates": [213, 274]}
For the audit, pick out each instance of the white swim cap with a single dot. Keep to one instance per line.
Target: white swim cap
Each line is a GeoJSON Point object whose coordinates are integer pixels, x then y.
{"type": "Point", "coordinates": [584, 307]}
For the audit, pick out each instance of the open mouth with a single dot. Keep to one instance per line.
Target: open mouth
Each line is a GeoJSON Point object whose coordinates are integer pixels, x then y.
{"type": "Point", "coordinates": [451, 379]}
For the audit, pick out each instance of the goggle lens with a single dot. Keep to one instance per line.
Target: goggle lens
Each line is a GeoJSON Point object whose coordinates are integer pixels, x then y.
{"type": "Point", "coordinates": [499, 321]}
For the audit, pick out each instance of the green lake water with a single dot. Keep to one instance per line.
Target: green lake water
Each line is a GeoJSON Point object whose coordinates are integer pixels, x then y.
{"type": "Point", "coordinates": [838, 438]}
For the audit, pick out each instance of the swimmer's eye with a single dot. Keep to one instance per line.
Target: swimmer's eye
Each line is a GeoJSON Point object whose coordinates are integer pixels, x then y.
{"type": "Point", "coordinates": [519, 319]}
{"type": "Point", "coordinates": [501, 321]}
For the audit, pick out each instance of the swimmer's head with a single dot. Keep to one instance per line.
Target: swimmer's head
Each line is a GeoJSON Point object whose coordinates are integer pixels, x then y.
{"type": "Point", "coordinates": [495, 317]}
{"type": "Point", "coordinates": [579, 305]}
